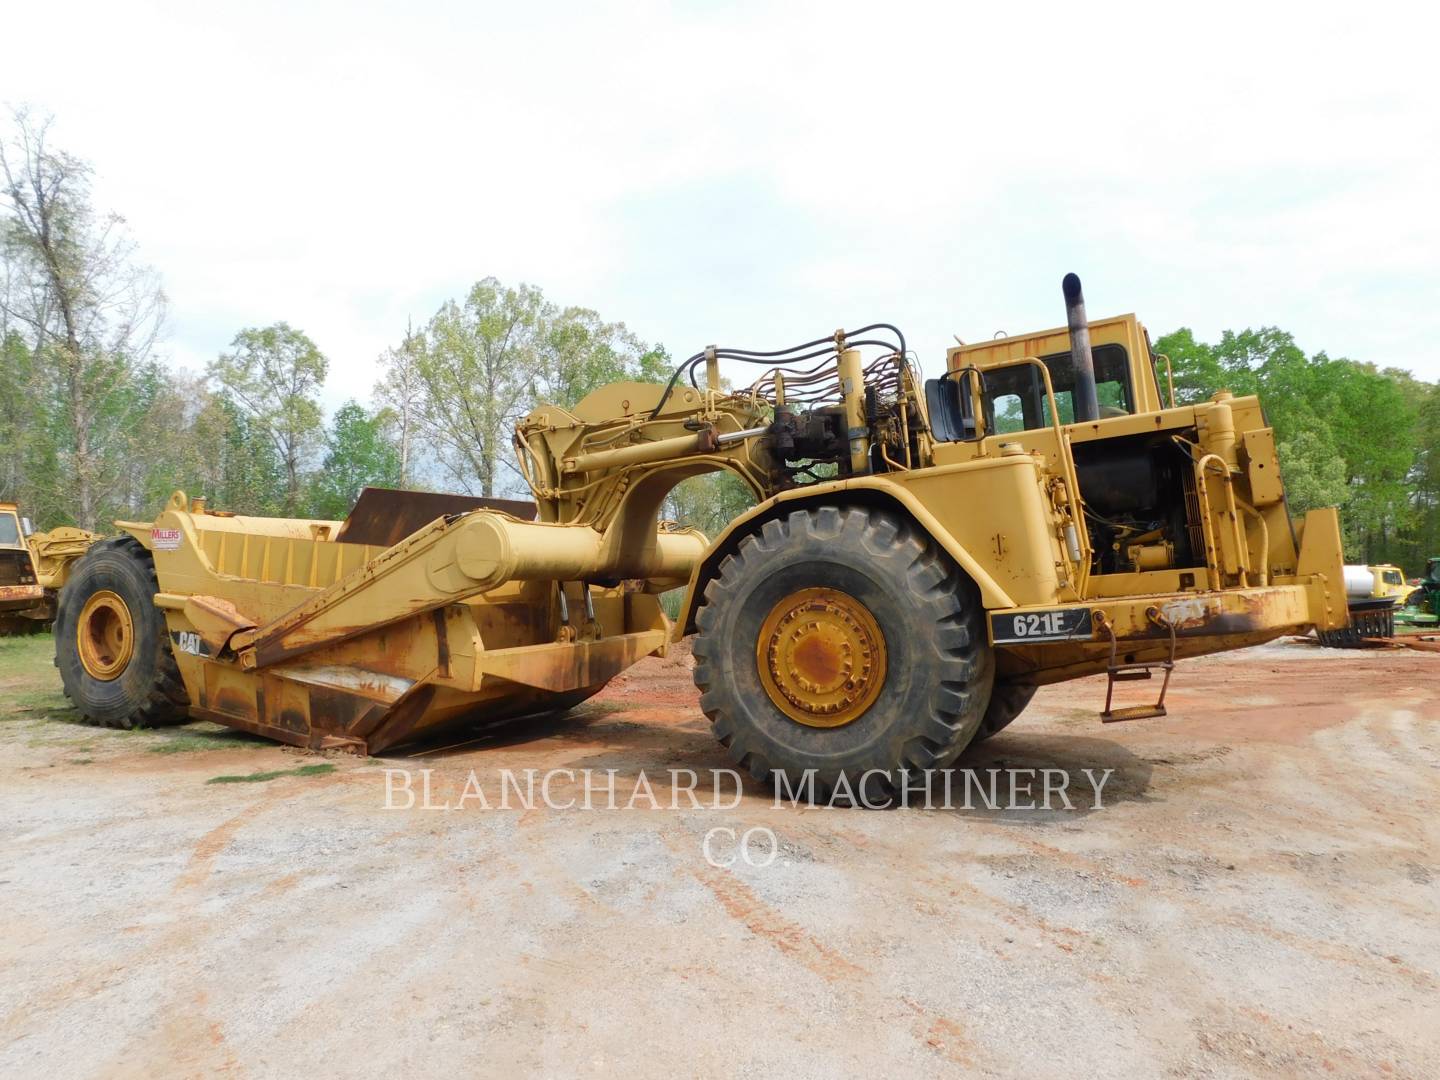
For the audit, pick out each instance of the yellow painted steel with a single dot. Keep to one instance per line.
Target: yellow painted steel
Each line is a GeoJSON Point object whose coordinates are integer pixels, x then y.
{"type": "Point", "coordinates": [284, 628]}
{"type": "Point", "coordinates": [401, 641]}
{"type": "Point", "coordinates": [51, 556]}
{"type": "Point", "coordinates": [56, 552]}
{"type": "Point", "coordinates": [105, 635]}
{"type": "Point", "coordinates": [821, 657]}
{"type": "Point", "coordinates": [1388, 581]}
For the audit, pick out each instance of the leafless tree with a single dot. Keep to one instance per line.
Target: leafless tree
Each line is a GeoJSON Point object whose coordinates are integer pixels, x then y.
{"type": "Point", "coordinates": [402, 390]}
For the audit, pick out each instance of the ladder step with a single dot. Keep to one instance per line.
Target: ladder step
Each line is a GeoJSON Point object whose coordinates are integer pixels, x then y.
{"type": "Point", "coordinates": [1135, 712]}
{"type": "Point", "coordinates": [1133, 672]}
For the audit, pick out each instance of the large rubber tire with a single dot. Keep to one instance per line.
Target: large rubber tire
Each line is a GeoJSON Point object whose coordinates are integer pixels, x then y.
{"type": "Point", "coordinates": [1007, 701]}
{"type": "Point", "coordinates": [938, 670]}
{"type": "Point", "coordinates": [148, 691]}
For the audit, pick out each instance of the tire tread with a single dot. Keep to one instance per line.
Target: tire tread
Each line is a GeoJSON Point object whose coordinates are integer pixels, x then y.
{"type": "Point", "coordinates": [165, 701]}
{"type": "Point", "coordinates": [950, 624]}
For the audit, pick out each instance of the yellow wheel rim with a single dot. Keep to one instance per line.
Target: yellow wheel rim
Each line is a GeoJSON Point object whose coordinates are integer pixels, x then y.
{"type": "Point", "coordinates": [821, 657]}
{"type": "Point", "coordinates": [105, 635]}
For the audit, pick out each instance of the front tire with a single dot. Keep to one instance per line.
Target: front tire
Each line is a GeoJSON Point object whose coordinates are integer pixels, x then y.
{"type": "Point", "coordinates": [842, 640]}
{"type": "Point", "coordinates": [111, 643]}
{"type": "Point", "coordinates": [1007, 702]}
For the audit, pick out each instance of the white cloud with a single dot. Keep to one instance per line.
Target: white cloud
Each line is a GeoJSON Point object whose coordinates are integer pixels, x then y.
{"type": "Point", "coordinates": [760, 173]}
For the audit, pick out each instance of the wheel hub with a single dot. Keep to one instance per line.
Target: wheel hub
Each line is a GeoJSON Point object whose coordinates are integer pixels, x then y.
{"type": "Point", "coordinates": [821, 657]}
{"type": "Point", "coordinates": [105, 635]}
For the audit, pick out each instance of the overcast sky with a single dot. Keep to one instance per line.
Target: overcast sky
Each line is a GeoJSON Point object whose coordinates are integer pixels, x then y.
{"type": "Point", "coordinates": [759, 174]}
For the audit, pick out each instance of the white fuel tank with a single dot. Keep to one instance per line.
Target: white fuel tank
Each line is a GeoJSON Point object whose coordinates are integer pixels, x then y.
{"type": "Point", "coordinates": [1359, 582]}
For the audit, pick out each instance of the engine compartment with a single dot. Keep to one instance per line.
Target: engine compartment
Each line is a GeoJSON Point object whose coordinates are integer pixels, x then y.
{"type": "Point", "coordinates": [1141, 508]}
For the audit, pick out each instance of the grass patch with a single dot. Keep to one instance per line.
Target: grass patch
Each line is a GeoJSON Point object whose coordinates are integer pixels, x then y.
{"type": "Point", "coordinates": [191, 742]}
{"type": "Point", "coordinates": [46, 701]}
{"type": "Point", "coordinates": [82, 761]}
{"type": "Point", "coordinates": [23, 656]}
{"type": "Point", "coordinates": [261, 777]}
{"type": "Point", "coordinates": [29, 684]}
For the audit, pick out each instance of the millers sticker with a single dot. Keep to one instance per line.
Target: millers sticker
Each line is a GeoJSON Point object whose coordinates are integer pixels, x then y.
{"type": "Point", "coordinates": [165, 539]}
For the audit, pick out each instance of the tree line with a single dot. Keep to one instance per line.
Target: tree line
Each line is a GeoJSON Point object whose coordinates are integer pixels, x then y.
{"type": "Point", "coordinates": [94, 426]}
{"type": "Point", "coordinates": [1349, 434]}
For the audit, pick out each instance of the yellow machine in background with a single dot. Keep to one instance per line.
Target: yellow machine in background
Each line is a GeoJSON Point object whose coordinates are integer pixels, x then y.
{"type": "Point", "coordinates": [33, 568]}
{"type": "Point", "coordinates": [1385, 582]}
{"type": "Point", "coordinates": [1372, 595]}
{"type": "Point", "coordinates": [20, 592]}
{"type": "Point", "coordinates": [923, 555]}
{"type": "Point", "coordinates": [55, 554]}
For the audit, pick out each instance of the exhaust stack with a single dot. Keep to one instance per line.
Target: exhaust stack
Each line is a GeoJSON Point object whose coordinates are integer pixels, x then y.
{"type": "Point", "coordinates": [1087, 406]}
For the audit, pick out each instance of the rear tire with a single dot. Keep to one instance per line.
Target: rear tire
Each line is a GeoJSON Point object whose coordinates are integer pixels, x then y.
{"type": "Point", "coordinates": [111, 642]}
{"type": "Point", "coordinates": [907, 637]}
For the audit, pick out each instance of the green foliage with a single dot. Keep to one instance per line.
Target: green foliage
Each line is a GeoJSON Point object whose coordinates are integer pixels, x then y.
{"type": "Point", "coordinates": [92, 427]}
{"type": "Point", "coordinates": [360, 455]}
{"type": "Point", "coordinates": [1314, 471]}
{"type": "Point", "coordinates": [1349, 434]}
{"type": "Point", "coordinates": [272, 376]}
{"type": "Point", "coordinates": [709, 502]}
{"type": "Point", "coordinates": [1425, 477]}
{"type": "Point", "coordinates": [89, 314]}
{"type": "Point", "coordinates": [582, 353]}
{"type": "Point", "coordinates": [481, 364]}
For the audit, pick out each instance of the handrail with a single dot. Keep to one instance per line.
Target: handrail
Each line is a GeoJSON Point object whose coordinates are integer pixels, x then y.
{"type": "Point", "coordinates": [1242, 546]}
{"type": "Point", "coordinates": [1071, 479]}
{"type": "Point", "coordinates": [1169, 378]}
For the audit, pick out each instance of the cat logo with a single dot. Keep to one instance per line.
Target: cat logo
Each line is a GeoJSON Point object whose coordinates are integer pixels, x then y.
{"type": "Point", "coordinates": [191, 642]}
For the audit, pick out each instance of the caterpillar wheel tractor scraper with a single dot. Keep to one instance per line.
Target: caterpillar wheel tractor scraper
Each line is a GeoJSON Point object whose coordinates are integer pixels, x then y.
{"type": "Point", "coordinates": [922, 556]}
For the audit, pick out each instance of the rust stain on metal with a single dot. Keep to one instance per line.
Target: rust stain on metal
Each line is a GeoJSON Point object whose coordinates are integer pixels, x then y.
{"type": "Point", "coordinates": [387, 729]}
{"type": "Point", "coordinates": [216, 619]}
{"type": "Point", "coordinates": [442, 644]}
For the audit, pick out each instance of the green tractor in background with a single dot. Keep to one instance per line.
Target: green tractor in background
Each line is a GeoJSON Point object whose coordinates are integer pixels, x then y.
{"type": "Point", "coordinates": [1423, 605]}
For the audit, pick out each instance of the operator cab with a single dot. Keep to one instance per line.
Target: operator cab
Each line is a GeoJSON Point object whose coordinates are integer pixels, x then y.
{"type": "Point", "coordinates": [1012, 393]}
{"type": "Point", "coordinates": [17, 569]}
{"type": "Point", "coordinates": [1136, 482]}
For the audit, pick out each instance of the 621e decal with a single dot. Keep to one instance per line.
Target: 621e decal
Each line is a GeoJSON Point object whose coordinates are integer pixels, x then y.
{"type": "Point", "coordinates": [1023, 627]}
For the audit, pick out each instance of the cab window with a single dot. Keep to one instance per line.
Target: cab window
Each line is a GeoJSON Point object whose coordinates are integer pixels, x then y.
{"type": "Point", "coordinates": [9, 530]}
{"type": "Point", "coordinates": [1009, 415]}
{"type": "Point", "coordinates": [1392, 577]}
{"type": "Point", "coordinates": [1016, 401]}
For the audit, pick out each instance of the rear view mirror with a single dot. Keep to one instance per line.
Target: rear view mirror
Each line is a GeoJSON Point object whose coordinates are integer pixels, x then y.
{"type": "Point", "coordinates": [26, 527]}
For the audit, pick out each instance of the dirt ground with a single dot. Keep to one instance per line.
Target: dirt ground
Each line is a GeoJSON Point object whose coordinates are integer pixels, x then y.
{"type": "Point", "coordinates": [1259, 894]}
